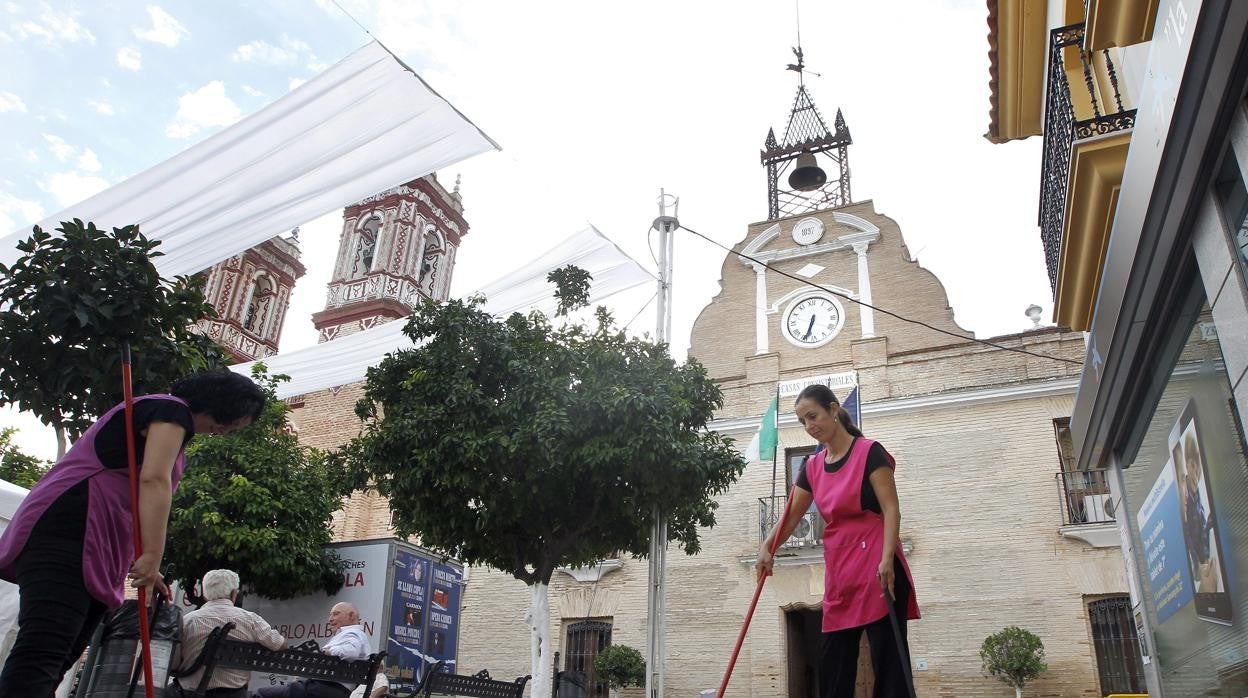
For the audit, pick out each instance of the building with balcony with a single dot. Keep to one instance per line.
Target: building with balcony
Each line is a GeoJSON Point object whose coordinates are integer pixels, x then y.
{"type": "Point", "coordinates": [1143, 216]}
{"type": "Point", "coordinates": [980, 435]}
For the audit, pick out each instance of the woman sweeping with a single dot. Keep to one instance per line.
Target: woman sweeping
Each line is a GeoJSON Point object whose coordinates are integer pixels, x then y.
{"type": "Point", "coordinates": [70, 548]}
{"type": "Point", "coordinates": [851, 483]}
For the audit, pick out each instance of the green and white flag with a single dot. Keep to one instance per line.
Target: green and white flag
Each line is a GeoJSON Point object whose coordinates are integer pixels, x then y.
{"type": "Point", "coordinates": [763, 445]}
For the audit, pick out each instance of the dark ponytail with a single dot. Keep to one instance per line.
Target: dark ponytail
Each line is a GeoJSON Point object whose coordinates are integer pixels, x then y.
{"type": "Point", "coordinates": [826, 399]}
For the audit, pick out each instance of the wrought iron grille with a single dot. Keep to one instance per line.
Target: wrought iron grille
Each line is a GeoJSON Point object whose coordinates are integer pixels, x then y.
{"type": "Point", "coordinates": [1084, 496]}
{"type": "Point", "coordinates": [1062, 129]}
{"type": "Point", "coordinates": [585, 640]}
{"type": "Point", "coordinates": [1117, 646]}
{"type": "Point", "coordinates": [809, 531]}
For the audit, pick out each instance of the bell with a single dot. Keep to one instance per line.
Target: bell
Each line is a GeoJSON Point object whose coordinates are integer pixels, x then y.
{"type": "Point", "coordinates": [807, 176]}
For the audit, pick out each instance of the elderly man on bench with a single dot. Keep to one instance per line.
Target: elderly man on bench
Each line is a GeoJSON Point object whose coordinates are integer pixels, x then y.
{"type": "Point", "coordinates": [347, 642]}
{"type": "Point", "coordinates": [220, 589]}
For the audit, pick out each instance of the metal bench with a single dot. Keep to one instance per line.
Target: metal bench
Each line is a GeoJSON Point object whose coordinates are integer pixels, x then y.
{"type": "Point", "coordinates": [479, 685]}
{"type": "Point", "coordinates": [220, 651]}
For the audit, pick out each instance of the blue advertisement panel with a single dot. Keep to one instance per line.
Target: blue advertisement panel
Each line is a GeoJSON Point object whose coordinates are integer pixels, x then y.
{"type": "Point", "coordinates": [409, 611]}
{"type": "Point", "coordinates": [1165, 552]}
{"type": "Point", "coordinates": [443, 630]}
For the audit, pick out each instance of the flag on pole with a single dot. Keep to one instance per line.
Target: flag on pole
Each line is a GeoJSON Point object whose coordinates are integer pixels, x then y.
{"type": "Point", "coordinates": [853, 406]}
{"type": "Point", "coordinates": [763, 445]}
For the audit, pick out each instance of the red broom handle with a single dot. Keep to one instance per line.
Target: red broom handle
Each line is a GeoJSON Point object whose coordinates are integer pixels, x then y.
{"type": "Point", "coordinates": [145, 636]}
{"type": "Point", "coordinates": [758, 591]}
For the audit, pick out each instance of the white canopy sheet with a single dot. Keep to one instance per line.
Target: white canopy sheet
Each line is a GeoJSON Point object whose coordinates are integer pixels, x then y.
{"type": "Point", "coordinates": [366, 124]}
{"type": "Point", "coordinates": [346, 360]}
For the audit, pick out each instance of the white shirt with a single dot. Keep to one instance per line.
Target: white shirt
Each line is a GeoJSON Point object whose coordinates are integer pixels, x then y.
{"type": "Point", "coordinates": [350, 642]}
{"type": "Point", "coordinates": [380, 681]}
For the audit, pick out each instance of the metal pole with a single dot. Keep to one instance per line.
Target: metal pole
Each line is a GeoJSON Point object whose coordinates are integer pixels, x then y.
{"type": "Point", "coordinates": [656, 598]}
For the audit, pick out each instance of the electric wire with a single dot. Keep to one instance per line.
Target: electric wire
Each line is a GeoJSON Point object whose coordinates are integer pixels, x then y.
{"type": "Point", "coordinates": [878, 309]}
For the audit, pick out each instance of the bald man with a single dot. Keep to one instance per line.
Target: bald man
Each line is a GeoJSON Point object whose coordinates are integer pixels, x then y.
{"type": "Point", "coordinates": [348, 641]}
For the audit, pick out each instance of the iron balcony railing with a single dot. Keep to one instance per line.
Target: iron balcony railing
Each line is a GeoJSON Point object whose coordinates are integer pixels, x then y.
{"type": "Point", "coordinates": [1084, 496]}
{"type": "Point", "coordinates": [809, 531]}
{"type": "Point", "coordinates": [1068, 121]}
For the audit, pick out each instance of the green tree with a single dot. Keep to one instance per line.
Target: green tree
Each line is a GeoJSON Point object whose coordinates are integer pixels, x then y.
{"type": "Point", "coordinates": [527, 447]}
{"type": "Point", "coordinates": [68, 303]}
{"type": "Point", "coordinates": [259, 503]}
{"type": "Point", "coordinates": [17, 467]}
{"type": "Point", "coordinates": [621, 666]}
{"type": "Point", "coordinates": [1015, 656]}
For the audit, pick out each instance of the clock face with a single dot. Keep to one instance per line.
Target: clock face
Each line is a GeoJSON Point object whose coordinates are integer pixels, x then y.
{"type": "Point", "coordinates": [812, 321]}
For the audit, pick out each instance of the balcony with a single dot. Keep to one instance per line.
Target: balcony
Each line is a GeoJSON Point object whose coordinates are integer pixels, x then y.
{"type": "Point", "coordinates": [1086, 507]}
{"type": "Point", "coordinates": [807, 536]}
{"type": "Point", "coordinates": [1087, 130]}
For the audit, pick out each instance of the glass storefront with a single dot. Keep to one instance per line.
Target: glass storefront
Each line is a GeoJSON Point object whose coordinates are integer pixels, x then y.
{"type": "Point", "coordinates": [1186, 503]}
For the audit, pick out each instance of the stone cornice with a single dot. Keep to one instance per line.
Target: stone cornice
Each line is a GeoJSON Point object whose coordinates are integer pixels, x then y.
{"type": "Point", "coordinates": [982, 396]}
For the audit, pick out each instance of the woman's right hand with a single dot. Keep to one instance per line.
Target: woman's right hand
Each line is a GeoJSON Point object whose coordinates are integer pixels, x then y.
{"type": "Point", "coordinates": [764, 563]}
{"type": "Point", "coordinates": [145, 572]}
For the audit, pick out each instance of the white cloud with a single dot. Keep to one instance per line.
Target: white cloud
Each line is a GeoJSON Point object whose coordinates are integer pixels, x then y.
{"type": "Point", "coordinates": [296, 82]}
{"type": "Point", "coordinates": [165, 30]}
{"type": "Point", "coordinates": [264, 52]}
{"type": "Point", "coordinates": [316, 65]}
{"type": "Point", "coordinates": [129, 58]}
{"type": "Point", "coordinates": [251, 91]}
{"type": "Point", "coordinates": [62, 150]}
{"type": "Point", "coordinates": [54, 26]}
{"type": "Point", "coordinates": [11, 102]}
{"type": "Point", "coordinates": [206, 107]}
{"type": "Point", "coordinates": [101, 107]}
{"type": "Point", "coordinates": [89, 161]}
{"type": "Point", "coordinates": [32, 155]}
{"type": "Point", "coordinates": [15, 212]}
{"type": "Point", "coordinates": [260, 51]}
{"type": "Point", "coordinates": [71, 187]}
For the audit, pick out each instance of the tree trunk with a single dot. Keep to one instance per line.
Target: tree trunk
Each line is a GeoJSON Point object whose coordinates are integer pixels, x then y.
{"type": "Point", "coordinates": [1018, 692]}
{"type": "Point", "coordinates": [538, 618]}
{"type": "Point", "coordinates": [60, 440]}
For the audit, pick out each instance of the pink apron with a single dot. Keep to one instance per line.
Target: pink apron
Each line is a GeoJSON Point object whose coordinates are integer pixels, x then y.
{"type": "Point", "coordinates": [853, 542]}
{"type": "Point", "coordinates": [108, 546]}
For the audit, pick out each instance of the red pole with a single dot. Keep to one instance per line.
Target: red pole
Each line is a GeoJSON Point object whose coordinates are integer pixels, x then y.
{"type": "Point", "coordinates": [758, 591]}
{"type": "Point", "coordinates": [145, 637]}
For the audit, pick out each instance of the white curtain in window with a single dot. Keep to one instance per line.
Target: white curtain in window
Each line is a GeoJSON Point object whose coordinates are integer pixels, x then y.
{"type": "Point", "coordinates": [364, 125]}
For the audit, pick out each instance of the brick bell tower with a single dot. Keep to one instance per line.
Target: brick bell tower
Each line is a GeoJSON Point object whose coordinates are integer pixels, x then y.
{"type": "Point", "coordinates": [397, 248]}
{"type": "Point", "coordinates": [251, 293]}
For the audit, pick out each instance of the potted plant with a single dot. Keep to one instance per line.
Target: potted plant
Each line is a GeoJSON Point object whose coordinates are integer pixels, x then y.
{"type": "Point", "coordinates": [1015, 656]}
{"type": "Point", "coordinates": [620, 666]}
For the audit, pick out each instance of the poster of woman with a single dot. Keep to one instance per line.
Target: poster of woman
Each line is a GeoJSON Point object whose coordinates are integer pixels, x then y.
{"type": "Point", "coordinates": [1199, 522]}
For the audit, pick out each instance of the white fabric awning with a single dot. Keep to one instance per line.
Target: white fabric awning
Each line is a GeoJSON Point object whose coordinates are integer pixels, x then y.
{"type": "Point", "coordinates": [346, 360]}
{"type": "Point", "coordinates": [366, 124]}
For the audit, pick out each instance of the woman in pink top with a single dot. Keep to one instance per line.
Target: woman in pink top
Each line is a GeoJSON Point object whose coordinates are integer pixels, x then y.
{"type": "Point", "coordinates": [851, 482]}
{"type": "Point", "coordinates": [70, 545]}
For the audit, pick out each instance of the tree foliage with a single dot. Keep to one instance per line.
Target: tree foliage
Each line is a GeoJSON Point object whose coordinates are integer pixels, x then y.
{"type": "Point", "coordinates": [527, 447]}
{"type": "Point", "coordinates": [65, 307]}
{"type": "Point", "coordinates": [17, 467]}
{"type": "Point", "coordinates": [621, 666]}
{"type": "Point", "coordinates": [1014, 655]}
{"type": "Point", "coordinates": [259, 503]}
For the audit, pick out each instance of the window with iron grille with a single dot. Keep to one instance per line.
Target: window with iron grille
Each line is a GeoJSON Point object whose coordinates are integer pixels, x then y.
{"type": "Point", "coordinates": [794, 459]}
{"type": "Point", "coordinates": [1117, 646]}
{"type": "Point", "coordinates": [586, 639]}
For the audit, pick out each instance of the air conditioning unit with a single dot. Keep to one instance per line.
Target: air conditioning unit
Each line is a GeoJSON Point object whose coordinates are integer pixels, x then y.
{"type": "Point", "coordinates": [1098, 508]}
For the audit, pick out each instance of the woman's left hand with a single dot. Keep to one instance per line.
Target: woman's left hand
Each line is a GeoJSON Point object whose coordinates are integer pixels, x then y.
{"type": "Point", "coordinates": [885, 575]}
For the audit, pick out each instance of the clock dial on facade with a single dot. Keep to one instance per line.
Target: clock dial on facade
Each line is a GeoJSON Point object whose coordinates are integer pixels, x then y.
{"type": "Point", "coordinates": [812, 321]}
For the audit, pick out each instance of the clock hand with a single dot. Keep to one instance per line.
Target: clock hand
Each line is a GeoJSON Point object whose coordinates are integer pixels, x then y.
{"type": "Point", "coordinates": [809, 327]}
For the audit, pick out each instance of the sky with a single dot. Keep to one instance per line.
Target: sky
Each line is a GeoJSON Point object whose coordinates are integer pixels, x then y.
{"type": "Point", "coordinates": [596, 106]}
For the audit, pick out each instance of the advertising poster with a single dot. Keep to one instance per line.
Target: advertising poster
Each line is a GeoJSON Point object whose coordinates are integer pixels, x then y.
{"type": "Point", "coordinates": [1165, 554]}
{"type": "Point", "coordinates": [444, 589]}
{"type": "Point", "coordinates": [364, 576]}
{"type": "Point", "coordinates": [409, 610]}
{"type": "Point", "coordinates": [1205, 560]}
